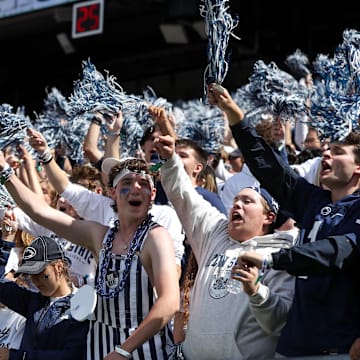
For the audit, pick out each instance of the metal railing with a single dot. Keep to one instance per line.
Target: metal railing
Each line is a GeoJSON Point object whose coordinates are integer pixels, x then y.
{"type": "Point", "coordinates": [319, 357]}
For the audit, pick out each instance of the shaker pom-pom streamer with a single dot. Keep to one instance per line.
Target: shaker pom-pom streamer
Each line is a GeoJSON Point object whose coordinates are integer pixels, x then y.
{"type": "Point", "coordinates": [94, 92]}
{"type": "Point", "coordinates": [59, 128]}
{"type": "Point", "coordinates": [219, 26]}
{"type": "Point", "coordinates": [335, 99]}
{"type": "Point", "coordinates": [12, 126]}
{"type": "Point", "coordinates": [203, 124]}
{"type": "Point", "coordinates": [298, 63]}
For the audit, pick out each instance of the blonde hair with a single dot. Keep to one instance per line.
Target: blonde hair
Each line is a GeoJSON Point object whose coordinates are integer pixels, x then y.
{"type": "Point", "coordinates": [26, 238]}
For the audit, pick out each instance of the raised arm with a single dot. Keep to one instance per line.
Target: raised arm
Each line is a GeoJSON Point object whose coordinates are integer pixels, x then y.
{"type": "Point", "coordinates": [28, 169]}
{"type": "Point", "coordinates": [90, 145]}
{"type": "Point", "coordinates": [220, 97]}
{"type": "Point", "coordinates": [112, 144]}
{"type": "Point", "coordinates": [163, 120]}
{"type": "Point", "coordinates": [57, 176]}
{"type": "Point", "coordinates": [264, 163]}
{"type": "Point", "coordinates": [84, 233]}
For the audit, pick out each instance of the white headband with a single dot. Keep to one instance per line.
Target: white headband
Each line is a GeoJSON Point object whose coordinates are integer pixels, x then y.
{"type": "Point", "coordinates": [126, 171]}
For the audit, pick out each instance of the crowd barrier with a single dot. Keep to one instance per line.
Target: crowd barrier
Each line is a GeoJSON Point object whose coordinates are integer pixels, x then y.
{"type": "Point", "coordinates": [322, 357]}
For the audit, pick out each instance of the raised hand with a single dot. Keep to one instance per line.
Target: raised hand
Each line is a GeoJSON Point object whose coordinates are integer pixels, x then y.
{"type": "Point", "coordinates": [37, 140]}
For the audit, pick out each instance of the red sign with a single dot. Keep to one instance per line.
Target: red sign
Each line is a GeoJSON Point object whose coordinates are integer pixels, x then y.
{"type": "Point", "coordinates": [87, 18]}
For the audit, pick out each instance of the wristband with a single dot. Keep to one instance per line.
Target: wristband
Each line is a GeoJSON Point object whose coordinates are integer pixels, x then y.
{"type": "Point", "coordinates": [260, 296]}
{"type": "Point", "coordinates": [114, 133]}
{"type": "Point", "coordinates": [95, 120]}
{"type": "Point", "coordinates": [5, 174]}
{"type": "Point", "coordinates": [47, 160]}
{"type": "Point", "coordinates": [267, 262]}
{"type": "Point", "coordinates": [123, 352]}
{"type": "Point", "coordinates": [46, 156]}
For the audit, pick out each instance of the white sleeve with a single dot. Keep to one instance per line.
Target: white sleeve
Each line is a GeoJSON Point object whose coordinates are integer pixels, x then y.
{"type": "Point", "coordinates": [166, 216]}
{"type": "Point", "coordinates": [198, 217]}
{"type": "Point", "coordinates": [90, 205]}
{"type": "Point", "coordinates": [272, 304]}
{"type": "Point", "coordinates": [13, 261]}
{"type": "Point", "coordinates": [27, 224]}
{"type": "Point", "coordinates": [300, 131]}
{"type": "Point", "coordinates": [221, 171]}
{"type": "Point", "coordinates": [309, 170]}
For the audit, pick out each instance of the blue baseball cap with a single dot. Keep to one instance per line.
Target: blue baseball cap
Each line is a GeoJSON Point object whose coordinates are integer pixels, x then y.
{"type": "Point", "coordinates": [39, 254]}
{"type": "Point", "coordinates": [273, 204]}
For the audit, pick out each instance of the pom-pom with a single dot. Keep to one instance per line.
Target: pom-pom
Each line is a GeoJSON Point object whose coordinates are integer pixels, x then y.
{"type": "Point", "coordinates": [298, 63]}
{"type": "Point", "coordinates": [12, 126]}
{"type": "Point", "coordinates": [219, 26]}
{"type": "Point", "coordinates": [94, 93]}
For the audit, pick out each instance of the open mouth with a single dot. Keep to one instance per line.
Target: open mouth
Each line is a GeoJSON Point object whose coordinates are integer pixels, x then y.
{"type": "Point", "coordinates": [236, 217]}
{"type": "Point", "coordinates": [325, 167]}
{"type": "Point", "coordinates": [135, 202]}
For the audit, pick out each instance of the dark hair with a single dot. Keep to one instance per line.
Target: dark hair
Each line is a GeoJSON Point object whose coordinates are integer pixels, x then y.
{"type": "Point", "coordinates": [147, 134]}
{"type": "Point", "coordinates": [87, 172]}
{"type": "Point", "coordinates": [291, 154]}
{"type": "Point", "coordinates": [353, 138]}
{"type": "Point", "coordinates": [200, 154]}
{"type": "Point", "coordinates": [308, 153]}
{"type": "Point", "coordinates": [133, 164]}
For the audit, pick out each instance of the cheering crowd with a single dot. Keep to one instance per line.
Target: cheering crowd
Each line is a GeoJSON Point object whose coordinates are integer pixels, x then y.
{"type": "Point", "coordinates": [221, 228]}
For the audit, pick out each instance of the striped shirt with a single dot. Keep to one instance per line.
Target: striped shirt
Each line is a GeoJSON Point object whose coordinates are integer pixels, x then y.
{"type": "Point", "coordinates": [116, 318]}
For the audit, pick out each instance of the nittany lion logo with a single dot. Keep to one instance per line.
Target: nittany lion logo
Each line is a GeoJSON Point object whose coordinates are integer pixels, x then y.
{"type": "Point", "coordinates": [112, 281]}
{"type": "Point", "coordinates": [29, 253]}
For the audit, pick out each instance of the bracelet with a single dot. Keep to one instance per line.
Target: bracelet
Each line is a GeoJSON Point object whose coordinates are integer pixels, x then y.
{"type": "Point", "coordinates": [46, 156]}
{"type": "Point", "coordinates": [123, 352]}
{"type": "Point", "coordinates": [262, 270]}
{"type": "Point", "coordinates": [44, 162]}
{"type": "Point", "coordinates": [267, 262]}
{"type": "Point", "coordinates": [95, 120]}
{"type": "Point", "coordinates": [5, 174]}
{"type": "Point", "coordinates": [113, 133]}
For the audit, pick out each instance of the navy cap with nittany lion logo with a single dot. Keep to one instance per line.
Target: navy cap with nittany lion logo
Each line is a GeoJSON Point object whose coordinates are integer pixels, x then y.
{"type": "Point", "coordinates": [39, 254]}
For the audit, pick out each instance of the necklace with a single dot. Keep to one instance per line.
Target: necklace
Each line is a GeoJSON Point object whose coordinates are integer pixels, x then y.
{"type": "Point", "coordinates": [105, 257]}
{"type": "Point", "coordinates": [126, 246]}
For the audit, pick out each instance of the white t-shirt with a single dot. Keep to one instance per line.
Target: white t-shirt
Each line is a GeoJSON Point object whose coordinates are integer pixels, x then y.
{"type": "Point", "coordinates": [12, 327]}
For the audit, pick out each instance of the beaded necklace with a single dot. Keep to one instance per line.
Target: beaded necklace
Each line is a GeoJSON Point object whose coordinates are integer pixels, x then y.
{"type": "Point", "coordinates": [135, 244]}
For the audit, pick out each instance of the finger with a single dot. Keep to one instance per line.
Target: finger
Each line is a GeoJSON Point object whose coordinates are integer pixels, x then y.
{"type": "Point", "coordinates": [218, 88]}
